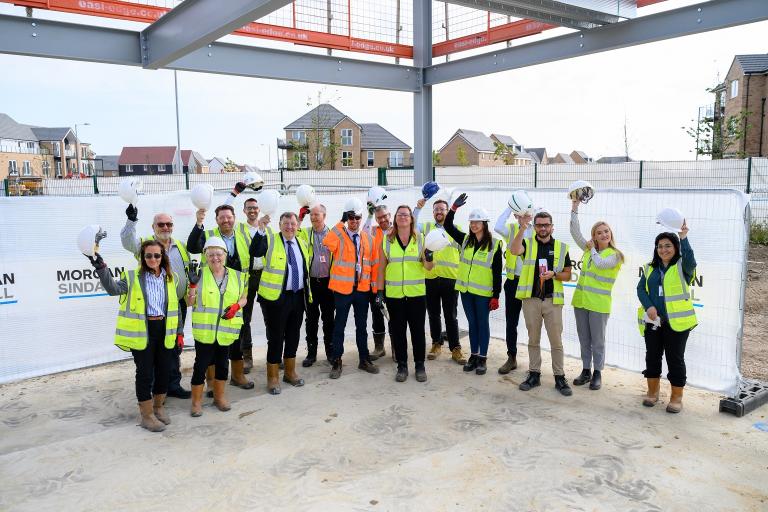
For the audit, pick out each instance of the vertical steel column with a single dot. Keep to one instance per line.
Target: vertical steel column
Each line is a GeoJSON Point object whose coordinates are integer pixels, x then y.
{"type": "Point", "coordinates": [422, 100]}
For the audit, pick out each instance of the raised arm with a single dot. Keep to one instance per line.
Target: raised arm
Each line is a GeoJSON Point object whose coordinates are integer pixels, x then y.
{"type": "Point", "coordinates": [576, 228]}
{"type": "Point", "coordinates": [501, 223]}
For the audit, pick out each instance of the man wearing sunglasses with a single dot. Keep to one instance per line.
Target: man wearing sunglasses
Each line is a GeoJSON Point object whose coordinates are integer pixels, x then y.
{"type": "Point", "coordinates": [546, 266]}
{"type": "Point", "coordinates": [162, 225]}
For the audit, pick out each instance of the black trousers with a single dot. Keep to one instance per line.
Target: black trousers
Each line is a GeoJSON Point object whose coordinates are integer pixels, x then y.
{"type": "Point", "coordinates": [512, 307]}
{"type": "Point", "coordinates": [152, 363]}
{"type": "Point", "coordinates": [408, 314]}
{"type": "Point", "coordinates": [207, 354]}
{"type": "Point", "coordinates": [665, 342]}
{"type": "Point", "coordinates": [377, 317]}
{"type": "Point", "coordinates": [283, 319]}
{"type": "Point", "coordinates": [442, 294]}
{"type": "Point", "coordinates": [322, 307]}
{"type": "Point", "coordinates": [174, 372]}
{"type": "Point", "coordinates": [246, 341]}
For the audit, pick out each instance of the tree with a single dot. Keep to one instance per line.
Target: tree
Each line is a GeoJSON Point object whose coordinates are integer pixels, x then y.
{"type": "Point", "coordinates": [230, 166]}
{"type": "Point", "coordinates": [435, 157]}
{"type": "Point", "coordinates": [321, 145]}
{"type": "Point", "coordinates": [503, 152]}
{"type": "Point", "coordinates": [461, 155]}
{"type": "Point", "coordinates": [718, 137]}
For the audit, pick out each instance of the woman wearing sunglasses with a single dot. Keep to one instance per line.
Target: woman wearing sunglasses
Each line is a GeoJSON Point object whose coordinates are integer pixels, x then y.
{"type": "Point", "coordinates": [146, 325]}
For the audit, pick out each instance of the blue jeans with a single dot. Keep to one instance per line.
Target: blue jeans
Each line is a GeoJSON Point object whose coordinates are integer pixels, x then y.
{"type": "Point", "coordinates": [358, 301]}
{"type": "Point", "coordinates": [477, 312]}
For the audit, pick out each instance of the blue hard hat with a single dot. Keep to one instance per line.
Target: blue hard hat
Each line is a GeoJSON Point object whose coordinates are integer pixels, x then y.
{"type": "Point", "coordinates": [429, 189]}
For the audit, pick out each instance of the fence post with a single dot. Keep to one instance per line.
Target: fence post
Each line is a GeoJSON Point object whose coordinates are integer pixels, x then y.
{"type": "Point", "coordinates": [535, 174]}
{"type": "Point", "coordinates": [95, 184]}
{"type": "Point", "coordinates": [5, 186]}
{"type": "Point", "coordinates": [640, 183]}
{"type": "Point", "coordinates": [282, 180]}
{"type": "Point", "coordinates": [749, 174]}
{"type": "Point", "coordinates": [382, 177]}
{"type": "Point", "coordinates": [433, 174]}
{"type": "Point", "coordinates": [186, 179]}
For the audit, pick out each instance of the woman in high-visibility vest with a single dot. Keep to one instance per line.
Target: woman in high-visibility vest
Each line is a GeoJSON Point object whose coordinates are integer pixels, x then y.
{"type": "Point", "coordinates": [479, 279]}
{"type": "Point", "coordinates": [146, 325]}
{"type": "Point", "coordinates": [600, 265]}
{"type": "Point", "coordinates": [666, 316]}
{"type": "Point", "coordinates": [403, 261]}
{"type": "Point", "coordinates": [216, 297]}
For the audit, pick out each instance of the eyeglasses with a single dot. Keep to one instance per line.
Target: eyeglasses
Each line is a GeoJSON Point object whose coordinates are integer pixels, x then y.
{"type": "Point", "coordinates": [151, 255]}
{"type": "Point", "coordinates": [542, 225]}
{"type": "Point", "coordinates": [354, 217]}
{"type": "Point", "coordinates": [251, 208]}
{"type": "Point", "coordinates": [215, 255]}
{"type": "Point", "coordinates": [164, 224]}
{"type": "Point", "coordinates": [403, 214]}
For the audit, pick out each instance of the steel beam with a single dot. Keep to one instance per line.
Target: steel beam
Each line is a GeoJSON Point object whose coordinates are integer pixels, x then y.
{"type": "Point", "coordinates": [58, 40]}
{"type": "Point", "coordinates": [422, 99]}
{"type": "Point", "coordinates": [194, 23]}
{"type": "Point", "coordinates": [694, 19]}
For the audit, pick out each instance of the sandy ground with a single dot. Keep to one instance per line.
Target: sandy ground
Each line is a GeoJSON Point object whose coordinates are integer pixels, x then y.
{"type": "Point", "coordinates": [364, 442]}
{"type": "Point", "coordinates": [754, 359]}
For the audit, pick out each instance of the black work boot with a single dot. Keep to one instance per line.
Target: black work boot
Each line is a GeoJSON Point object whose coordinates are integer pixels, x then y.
{"type": "Point", "coordinates": [421, 372]}
{"type": "Point", "coordinates": [367, 366]}
{"type": "Point", "coordinates": [597, 381]}
{"type": "Point", "coordinates": [336, 369]}
{"type": "Point", "coordinates": [402, 372]}
{"type": "Point", "coordinates": [533, 380]}
{"type": "Point", "coordinates": [311, 355]}
{"type": "Point", "coordinates": [562, 385]}
{"type": "Point", "coordinates": [471, 363]}
{"type": "Point", "coordinates": [378, 346]}
{"type": "Point", "coordinates": [583, 378]}
{"type": "Point", "coordinates": [481, 367]}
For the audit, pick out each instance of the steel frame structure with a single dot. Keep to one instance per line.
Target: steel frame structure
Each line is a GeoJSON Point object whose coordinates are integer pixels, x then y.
{"type": "Point", "coordinates": [162, 46]}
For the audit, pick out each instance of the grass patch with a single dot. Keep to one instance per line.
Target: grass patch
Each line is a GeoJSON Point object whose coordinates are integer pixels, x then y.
{"type": "Point", "coordinates": [758, 233]}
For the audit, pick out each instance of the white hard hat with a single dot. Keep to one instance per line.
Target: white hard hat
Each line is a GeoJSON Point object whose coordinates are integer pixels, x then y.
{"type": "Point", "coordinates": [86, 240]}
{"type": "Point", "coordinates": [376, 196]}
{"type": "Point", "coordinates": [253, 180]}
{"type": "Point", "coordinates": [520, 202]}
{"type": "Point", "coordinates": [581, 190]}
{"type": "Point", "coordinates": [354, 205]}
{"type": "Point", "coordinates": [214, 241]}
{"type": "Point", "coordinates": [129, 189]}
{"type": "Point", "coordinates": [202, 196]}
{"type": "Point", "coordinates": [436, 240]}
{"type": "Point", "coordinates": [269, 201]}
{"type": "Point", "coordinates": [479, 214]}
{"type": "Point", "coordinates": [305, 195]}
{"type": "Point", "coordinates": [445, 194]}
{"type": "Point", "coordinates": [670, 218]}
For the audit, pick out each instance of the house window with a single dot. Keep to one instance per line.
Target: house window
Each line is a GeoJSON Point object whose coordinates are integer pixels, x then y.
{"type": "Point", "coordinates": [299, 136]}
{"type": "Point", "coordinates": [30, 147]}
{"type": "Point", "coordinates": [58, 169]}
{"type": "Point", "coordinates": [27, 168]}
{"type": "Point", "coordinates": [128, 168]}
{"type": "Point", "coordinates": [160, 168]}
{"type": "Point", "coordinates": [300, 160]}
{"type": "Point", "coordinates": [370, 158]}
{"type": "Point", "coordinates": [346, 158]}
{"type": "Point", "coordinates": [734, 88]}
{"type": "Point", "coordinates": [46, 168]}
{"type": "Point", "coordinates": [346, 136]}
{"type": "Point", "coordinates": [12, 171]}
{"type": "Point", "coordinates": [326, 138]}
{"type": "Point", "coordinates": [395, 158]}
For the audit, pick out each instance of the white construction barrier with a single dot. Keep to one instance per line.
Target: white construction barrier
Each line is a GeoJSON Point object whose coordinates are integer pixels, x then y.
{"type": "Point", "coordinates": [55, 316]}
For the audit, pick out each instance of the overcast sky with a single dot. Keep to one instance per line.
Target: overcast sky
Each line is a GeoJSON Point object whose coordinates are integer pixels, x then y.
{"type": "Point", "coordinates": [579, 104]}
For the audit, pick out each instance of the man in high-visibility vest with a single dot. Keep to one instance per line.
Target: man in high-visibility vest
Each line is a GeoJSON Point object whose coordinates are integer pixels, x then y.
{"type": "Point", "coordinates": [546, 265]}
{"type": "Point", "coordinates": [237, 238]}
{"type": "Point", "coordinates": [251, 211]}
{"type": "Point", "coordinates": [377, 231]}
{"type": "Point", "coordinates": [353, 255]}
{"type": "Point", "coordinates": [162, 226]}
{"type": "Point", "coordinates": [441, 286]}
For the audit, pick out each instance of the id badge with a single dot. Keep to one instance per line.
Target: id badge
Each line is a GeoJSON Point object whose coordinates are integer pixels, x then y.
{"type": "Point", "coordinates": [359, 269]}
{"type": "Point", "coordinates": [661, 291]}
{"type": "Point", "coordinates": [543, 266]}
{"type": "Point", "coordinates": [322, 258]}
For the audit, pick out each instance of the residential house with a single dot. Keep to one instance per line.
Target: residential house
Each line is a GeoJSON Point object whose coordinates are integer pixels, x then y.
{"type": "Point", "coordinates": [326, 138]}
{"type": "Point", "coordinates": [193, 162]}
{"type": "Point", "coordinates": [248, 168]}
{"type": "Point", "coordinates": [217, 165]}
{"type": "Point", "coordinates": [107, 165]}
{"type": "Point", "coordinates": [469, 147]}
{"type": "Point", "coordinates": [514, 153]}
{"type": "Point", "coordinates": [139, 160]}
{"type": "Point", "coordinates": [36, 151]}
{"type": "Point", "coordinates": [580, 157]}
{"type": "Point", "coordinates": [614, 160]}
{"type": "Point", "coordinates": [538, 155]}
{"type": "Point", "coordinates": [561, 158]}
{"type": "Point", "coordinates": [745, 89]}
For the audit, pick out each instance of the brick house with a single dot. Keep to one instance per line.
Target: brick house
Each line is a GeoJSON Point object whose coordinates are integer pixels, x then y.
{"type": "Point", "coordinates": [515, 154]}
{"type": "Point", "coordinates": [325, 138]}
{"type": "Point", "coordinates": [142, 160]}
{"type": "Point", "coordinates": [480, 149]}
{"type": "Point", "coordinates": [745, 88]}
{"type": "Point", "coordinates": [193, 162]}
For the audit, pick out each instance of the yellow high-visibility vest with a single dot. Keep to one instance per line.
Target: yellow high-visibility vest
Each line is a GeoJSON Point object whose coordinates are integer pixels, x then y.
{"type": "Point", "coordinates": [131, 329]}
{"type": "Point", "coordinates": [405, 272]}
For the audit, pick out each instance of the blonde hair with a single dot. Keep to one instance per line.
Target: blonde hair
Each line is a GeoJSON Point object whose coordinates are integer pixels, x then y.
{"type": "Point", "coordinates": [612, 243]}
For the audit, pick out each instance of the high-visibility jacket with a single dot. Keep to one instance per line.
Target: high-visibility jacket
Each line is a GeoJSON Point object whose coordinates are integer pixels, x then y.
{"type": "Point", "coordinates": [511, 259]}
{"type": "Point", "coordinates": [593, 290]}
{"type": "Point", "coordinates": [207, 324]}
{"type": "Point", "coordinates": [181, 246]}
{"type": "Point", "coordinates": [131, 329]}
{"type": "Point", "coordinates": [476, 270]}
{"type": "Point", "coordinates": [525, 284]}
{"type": "Point", "coordinates": [242, 244]}
{"type": "Point", "coordinates": [446, 260]}
{"type": "Point", "coordinates": [378, 240]}
{"type": "Point", "coordinates": [345, 261]}
{"type": "Point", "coordinates": [405, 273]}
{"type": "Point", "coordinates": [308, 236]}
{"type": "Point", "coordinates": [276, 266]}
{"type": "Point", "coordinates": [677, 299]}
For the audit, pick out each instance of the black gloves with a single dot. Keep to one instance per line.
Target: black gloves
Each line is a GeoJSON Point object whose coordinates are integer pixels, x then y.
{"type": "Point", "coordinates": [371, 208]}
{"type": "Point", "coordinates": [345, 217]}
{"type": "Point", "coordinates": [97, 261]}
{"type": "Point", "coordinates": [428, 255]}
{"type": "Point", "coordinates": [194, 273]}
{"type": "Point", "coordinates": [459, 202]}
{"type": "Point", "coordinates": [380, 298]}
{"type": "Point", "coordinates": [132, 213]}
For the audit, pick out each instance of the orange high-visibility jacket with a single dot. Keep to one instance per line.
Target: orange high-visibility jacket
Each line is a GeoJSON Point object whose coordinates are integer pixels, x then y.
{"type": "Point", "coordinates": [343, 267]}
{"type": "Point", "coordinates": [378, 240]}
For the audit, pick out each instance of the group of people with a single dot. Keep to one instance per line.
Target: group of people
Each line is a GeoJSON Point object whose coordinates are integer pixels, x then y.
{"type": "Point", "coordinates": [321, 272]}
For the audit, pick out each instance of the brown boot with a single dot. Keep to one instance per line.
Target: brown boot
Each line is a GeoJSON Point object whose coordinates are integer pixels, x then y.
{"type": "Point", "coordinates": [148, 419]}
{"type": "Point", "coordinates": [219, 397]}
{"type": "Point", "coordinates": [158, 407]}
{"type": "Point", "coordinates": [457, 356]}
{"type": "Point", "coordinates": [435, 351]}
{"type": "Point", "coordinates": [675, 404]}
{"type": "Point", "coordinates": [290, 376]}
{"type": "Point", "coordinates": [197, 401]}
{"type": "Point", "coordinates": [652, 396]}
{"type": "Point", "coordinates": [378, 346]}
{"type": "Point", "coordinates": [210, 374]}
{"type": "Point", "coordinates": [247, 360]}
{"type": "Point", "coordinates": [273, 378]}
{"type": "Point", "coordinates": [238, 376]}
